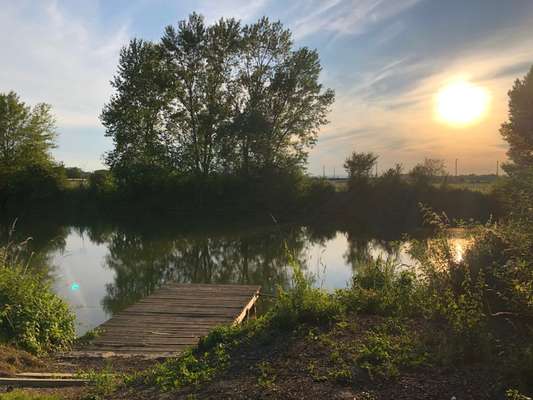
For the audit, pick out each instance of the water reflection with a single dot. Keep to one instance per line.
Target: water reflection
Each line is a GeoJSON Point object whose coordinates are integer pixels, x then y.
{"type": "Point", "coordinates": [112, 267]}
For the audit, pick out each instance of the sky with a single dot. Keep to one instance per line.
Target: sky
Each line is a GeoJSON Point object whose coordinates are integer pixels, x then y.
{"type": "Point", "coordinates": [387, 60]}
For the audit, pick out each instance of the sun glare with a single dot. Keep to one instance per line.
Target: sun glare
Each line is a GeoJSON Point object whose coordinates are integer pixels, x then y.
{"type": "Point", "coordinates": [461, 103]}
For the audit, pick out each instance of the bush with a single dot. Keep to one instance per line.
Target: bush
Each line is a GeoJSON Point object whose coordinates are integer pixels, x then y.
{"type": "Point", "coordinates": [22, 395]}
{"type": "Point", "coordinates": [31, 185]}
{"type": "Point", "coordinates": [380, 287]}
{"type": "Point", "coordinates": [102, 183]}
{"type": "Point", "coordinates": [31, 315]}
{"type": "Point", "coordinates": [303, 303]}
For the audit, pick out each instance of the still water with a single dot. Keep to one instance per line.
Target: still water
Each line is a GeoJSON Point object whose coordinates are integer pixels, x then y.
{"type": "Point", "coordinates": [101, 270]}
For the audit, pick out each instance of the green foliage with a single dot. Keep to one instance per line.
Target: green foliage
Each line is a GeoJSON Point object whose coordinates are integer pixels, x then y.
{"type": "Point", "coordinates": [76, 173]}
{"type": "Point", "coordinates": [220, 99]}
{"type": "Point", "coordinates": [102, 383]}
{"type": "Point", "coordinates": [24, 395]}
{"type": "Point", "coordinates": [31, 184]}
{"type": "Point", "coordinates": [381, 352]}
{"type": "Point", "coordinates": [426, 172]}
{"type": "Point", "coordinates": [303, 303]}
{"type": "Point", "coordinates": [189, 368]}
{"type": "Point", "coordinates": [26, 134]}
{"type": "Point", "coordinates": [518, 130]}
{"type": "Point", "coordinates": [513, 394]}
{"type": "Point", "coordinates": [384, 352]}
{"type": "Point", "coordinates": [382, 287]}
{"type": "Point", "coordinates": [267, 375]}
{"type": "Point", "coordinates": [31, 315]}
{"type": "Point", "coordinates": [359, 166]}
{"type": "Point", "coordinates": [89, 336]}
{"type": "Point", "coordinates": [102, 183]}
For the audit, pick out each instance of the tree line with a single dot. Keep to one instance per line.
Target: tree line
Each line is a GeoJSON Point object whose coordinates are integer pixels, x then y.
{"type": "Point", "coordinates": [225, 100]}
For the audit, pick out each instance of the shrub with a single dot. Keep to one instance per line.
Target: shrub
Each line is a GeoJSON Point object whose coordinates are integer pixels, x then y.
{"type": "Point", "coordinates": [31, 185]}
{"type": "Point", "coordinates": [382, 287]}
{"type": "Point", "coordinates": [102, 183]}
{"type": "Point", "coordinates": [384, 354]}
{"type": "Point", "coordinates": [303, 303]}
{"type": "Point", "coordinates": [31, 315]}
{"type": "Point", "coordinates": [23, 395]}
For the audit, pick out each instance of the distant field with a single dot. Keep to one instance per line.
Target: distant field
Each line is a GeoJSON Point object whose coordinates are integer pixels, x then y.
{"type": "Point", "coordinates": [75, 183]}
{"type": "Point", "coordinates": [483, 187]}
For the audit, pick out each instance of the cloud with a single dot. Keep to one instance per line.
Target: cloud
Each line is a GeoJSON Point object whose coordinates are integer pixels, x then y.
{"type": "Point", "coordinates": [245, 10]}
{"type": "Point", "coordinates": [52, 56]}
{"type": "Point", "coordinates": [342, 17]}
{"type": "Point", "coordinates": [389, 110]}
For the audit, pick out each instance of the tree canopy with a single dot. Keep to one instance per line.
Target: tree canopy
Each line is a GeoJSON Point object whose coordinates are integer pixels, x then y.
{"type": "Point", "coordinates": [518, 130]}
{"type": "Point", "coordinates": [424, 173]}
{"type": "Point", "coordinates": [360, 165]}
{"type": "Point", "coordinates": [27, 133]}
{"type": "Point", "coordinates": [213, 99]}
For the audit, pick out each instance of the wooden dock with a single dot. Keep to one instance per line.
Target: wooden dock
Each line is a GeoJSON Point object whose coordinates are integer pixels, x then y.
{"type": "Point", "coordinates": [172, 319]}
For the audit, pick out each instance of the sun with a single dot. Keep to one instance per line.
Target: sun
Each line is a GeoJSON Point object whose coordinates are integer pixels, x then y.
{"type": "Point", "coordinates": [461, 103]}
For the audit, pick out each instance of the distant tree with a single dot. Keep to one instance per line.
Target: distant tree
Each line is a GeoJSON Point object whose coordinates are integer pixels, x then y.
{"type": "Point", "coordinates": [221, 98]}
{"type": "Point", "coordinates": [360, 165]}
{"type": "Point", "coordinates": [518, 130]}
{"type": "Point", "coordinates": [27, 133]}
{"type": "Point", "coordinates": [426, 172]}
{"type": "Point", "coordinates": [76, 173]}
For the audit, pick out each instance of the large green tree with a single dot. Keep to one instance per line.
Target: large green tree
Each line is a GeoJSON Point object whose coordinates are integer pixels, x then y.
{"type": "Point", "coordinates": [518, 130]}
{"type": "Point", "coordinates": [26, 133]}
{"type": "Point", "coordinates": [136, 118]}
{"type": "Point", "coordinates": [284, 104]}
{"type": "Point", "coordinates": [202, 61]}
{"type": "Point", "coordinates": [220, 98]}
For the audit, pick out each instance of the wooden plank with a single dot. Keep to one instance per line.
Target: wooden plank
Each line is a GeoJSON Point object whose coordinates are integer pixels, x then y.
{"type": "Point", "coordinates": [172, 319]}
{"type": "Point", "coordinates": [42, 383]}
{"type": "Point", "coordinates": [43, 375]}
{"type": "Point", "coordinates": [247, 309]}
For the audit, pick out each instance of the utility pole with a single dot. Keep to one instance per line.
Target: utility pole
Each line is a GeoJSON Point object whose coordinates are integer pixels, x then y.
{"type": "Point", "coordinates": [376, 169]}
{"type": "Point", "coordinates": [497, 168]}
{"type": "Point", "coordinates": [334, 175]}
{"type": "Point", "coordinates": [456, 168]}
{"type": "Point", "coordinates": [323, 171]}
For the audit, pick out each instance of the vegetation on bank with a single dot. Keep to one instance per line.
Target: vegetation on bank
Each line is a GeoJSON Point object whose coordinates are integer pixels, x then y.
{"type": "Point", "coordinates": [445, 314]}
{"type": "Point", "coordinates": [32, 316]}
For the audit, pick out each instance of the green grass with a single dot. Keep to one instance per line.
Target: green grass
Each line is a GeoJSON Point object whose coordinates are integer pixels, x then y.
{"type": "Point", "coordinates": [482, 187]}
{"type": "Point", "coordinates": [23, 395]}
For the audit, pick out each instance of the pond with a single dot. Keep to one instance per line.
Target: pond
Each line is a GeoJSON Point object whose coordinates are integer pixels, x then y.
{"type": "Point", "coordinates": [99, 270]}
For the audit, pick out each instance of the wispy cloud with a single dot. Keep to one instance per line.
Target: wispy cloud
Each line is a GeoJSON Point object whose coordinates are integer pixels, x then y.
{"type": "Point", "coordinates": [245, 10]}
{"type": "Point", "coordinates": [58, 58]}
{"type": "Point", "coordinates": [342, 17]}
{"type": "Point", "coordinates": [386, 59]}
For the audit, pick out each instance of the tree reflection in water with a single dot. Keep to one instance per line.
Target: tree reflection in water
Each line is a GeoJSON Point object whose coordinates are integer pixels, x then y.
{"type": "Point", "coordinates": [144, 257]}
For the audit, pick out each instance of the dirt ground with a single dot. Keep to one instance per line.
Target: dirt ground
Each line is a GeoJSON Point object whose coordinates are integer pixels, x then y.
{"type": "Point", "coordinates": [281, 370]}
{"type": "Point", "coordinates": [298, 365]}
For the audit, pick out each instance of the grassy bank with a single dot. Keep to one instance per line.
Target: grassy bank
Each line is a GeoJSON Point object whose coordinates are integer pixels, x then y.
{"type": "Point", "coordinates": [32, 317]}
{"type": "Point", "coordinates": [449, 328]}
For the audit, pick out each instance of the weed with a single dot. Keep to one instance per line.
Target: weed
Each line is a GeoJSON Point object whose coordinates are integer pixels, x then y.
{"type": "Point", "coordinates": [513, 394]}
{"type": "Point", "coordinates": [267, 376]}
{"type": "Point", "coordinates": [31, 315]}
{"type": "Point", "coordinates": [103, 383]}
{"type": "Point", "coordinates": [23, 395]}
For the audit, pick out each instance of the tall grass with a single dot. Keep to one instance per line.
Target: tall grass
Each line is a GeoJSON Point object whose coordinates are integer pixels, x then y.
{"type": "Point", "coordinates": [32, 316]}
